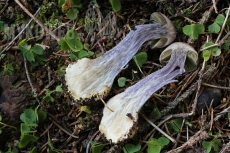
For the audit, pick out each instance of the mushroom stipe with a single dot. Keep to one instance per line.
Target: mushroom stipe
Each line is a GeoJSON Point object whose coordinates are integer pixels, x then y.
{"type": "Point", "coordinates": [88, 78]}
{"type": "Point", "coordinates": [116, 125]}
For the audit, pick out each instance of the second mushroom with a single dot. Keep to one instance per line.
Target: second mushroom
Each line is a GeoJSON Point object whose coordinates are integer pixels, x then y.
{"type": "Point", "coordinates": [120, 124]}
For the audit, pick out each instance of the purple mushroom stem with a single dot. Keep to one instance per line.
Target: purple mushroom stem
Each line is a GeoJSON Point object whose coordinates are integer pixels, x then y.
{"type": "Point", "coordinates": [89, 78]}
{"type": "Point", "coordinates": [118, 125]}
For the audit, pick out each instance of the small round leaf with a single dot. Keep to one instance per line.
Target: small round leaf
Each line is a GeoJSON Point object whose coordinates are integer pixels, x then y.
{"type": "Point", "coordinates": [121, 81]}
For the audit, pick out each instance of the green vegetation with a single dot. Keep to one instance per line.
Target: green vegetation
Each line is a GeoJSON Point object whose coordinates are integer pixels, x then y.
{"type": "Point", "coordinates": [96, 146]}
{"type": "Point", "coordinates": [8, 69]}
{"type": "Point", "coordinates": [175, 124]}
{"type": "Point", "coordinates": [139, 59]}
{"type": "Point", "coordinates": [72, 42]}
{"type": "Point", "coordinates": [116, 5]}
{"type": "Point", "coordinates": [33, 54]}
{"type": "Point", "coordinates": [194, 30]}
{"type": "Point", "coordinates": [208, 145]}
{"type": "Point", "coordinates": [70, 8]}
{"type": "Point", "coordinates": [131, 148]}
{"type": "Point", "coordinates": [213, 51]}
{"type": "Point", "coordinates": [48, 96]}
{"type": "Point", "coordinates": [121, 81]}
{"type": "Point", "coordinates": [156, 145]}
{"type": "Point", "coordinates": [30, 119]}
{"type": "Point", "coordinates": [5, 125]}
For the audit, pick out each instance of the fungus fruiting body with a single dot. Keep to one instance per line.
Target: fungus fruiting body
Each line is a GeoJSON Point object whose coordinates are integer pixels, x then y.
{"type": "Point", "coordinates": [94, 77]}
{"type": "Point", "coordinates": [118, 125]}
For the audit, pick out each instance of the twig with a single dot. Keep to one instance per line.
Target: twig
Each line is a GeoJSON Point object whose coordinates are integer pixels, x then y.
{"type": "Point", "coordinates": [88, 144]}
{"type": "Point", "coordinates": [214, 5]}
{"type": "Point", "coordinates": [203, 20]}
{"type": "Point", "coordinates": [227, 146]}
{"type": "Point", "coordinates": [223, 26]}
{"type": "Point", "coordinates": [188, 92]}
{"type": "Point", "coordinates": [63, 129]}
{"type": "Point", "coordinates": [200, 135]}
{"type": "Point", "coordinates": [158, 129]}
{"type": "Point", "coordinates": [214, 45]}
{"type": "Point", "coordinates": [6, 4]}
{"type": "Point", "coordinates": [105, 104]}
{"type": "Point", "coordinates": [12, 41]}
{"type": "Point", "coordinates": [198, 87]}
{"type": "Point", "coordinates": [34, 91]}
{"type": "Point", "coordinates": [37, 21]}
{"type": "Point", "coordinates": [47, 86]}
{"type": "Point", "coordinates": [214, 86]}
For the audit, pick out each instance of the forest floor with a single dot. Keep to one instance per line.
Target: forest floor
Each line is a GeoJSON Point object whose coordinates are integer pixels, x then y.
{"type": "Point", "coordinates": [37, 113]}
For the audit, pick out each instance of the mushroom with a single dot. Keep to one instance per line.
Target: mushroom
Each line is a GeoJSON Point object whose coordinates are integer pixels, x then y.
{"type": "Point", "coordinates": [120, 124]}
{"type": "Point", "coordinates": [89, 78]}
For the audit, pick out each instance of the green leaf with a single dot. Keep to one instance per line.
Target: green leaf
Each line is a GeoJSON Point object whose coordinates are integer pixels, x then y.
{"type": "Point", "coordinates": [59, 88]}
{"type": "Point", "coordinates": [25, 128]}
{"type": "Point", "coordinates": [15, 150]}
{"type": "Point", "coordinates": [2, 25]}
{"type": "Point", "coordinates": [216, 144]}
{"type": "Point", "coordinates": [30, 114]}
{"type": "Point", "coordinates": [214, 28]}
{"type": "Point", "coordinates": [116, 5]}
{"type": "Point", "coordinates": [175, 124]}
{"type": "Point", "coordinates": [60, 3]}
{"type": "Point", "coordinates": [64, 45]}
{"type": "Point", "coordinates": [34, 150]}
{"type": "Point", "coordinates": [226, 44]}
{"type": "Point", "coordinates": [206, 55]}
{"type": "Point", "coordinates": [25, 139]}
{"type": "Point", "coordinates": [71, 34]}
{"type": "Point", "coordinates": [23, 47]}
{"type": "Point", "coordinates": [76, 3]}
{"type": "Point", "coordinates": [72, 13]}
{"type": "Point", "coordinates": [85, 109]}
{"type": "Point", "coordinates": [96, 146]}
{"type": "Point", "coordinates": [86, 46]}
{"type": "Point", "coordinates": [8, 69]}
{"type": "Point", "coordinates": [82, 54]}
{"type": "Point", "coordinates": [140, 58]}
{"type": "Point", "coordinates": [193, 30]}
{"type": "Point", "coordinates": [215, 48]}
{"type": "Point", "coordinates": [207, 145]}
{"type": "Point", "coordinates": [131, 148]}
{"type": "Point", "coordinates": [0, 131]}
{"type": "Point", "coordinates": [0, 118]}
{"type": "Point", "coordinates": [41, 115]}
{"type": "Point", "coordinates": [121, 81]}
{"type": "Point", "coordinates": [48, 97]}
{"type": "Point", "coordinates": [29, 56]}
{"type": "Point", "coordinates": [38, 49]}
{"type": "Point", "coordinates": [163, 141]}
{"type": "Point", "coordinates": [155, 145]}
{"type": "Point", "coordinates": [156, 113]}
{"type": "Point", "coordinates": [220, 19]}
{"type": "Point", "coordinates": [216, 53]}
{"type": "Point", "coordinates": [29, 122]}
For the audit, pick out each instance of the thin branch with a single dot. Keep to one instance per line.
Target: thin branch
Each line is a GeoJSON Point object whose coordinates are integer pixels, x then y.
{"type": "Point", "coordinates": [158, 129]}
{"type": "Point", "coordinates": [37, 21]}
{"type": "Point", "coordinates": [29, 80]}
{"type": "Point", "coordinates": [222, 29]}
{"type": "Point", "coordinates": [64, 129]}
{"type": "Point", "coordinates": [12, 41]}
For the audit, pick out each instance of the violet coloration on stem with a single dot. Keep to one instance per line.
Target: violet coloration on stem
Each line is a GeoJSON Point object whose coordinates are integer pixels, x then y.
{"type": "Point", "coordinates": [89, 78]}
{"type": "Point", "coordinates": [120, 124]}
